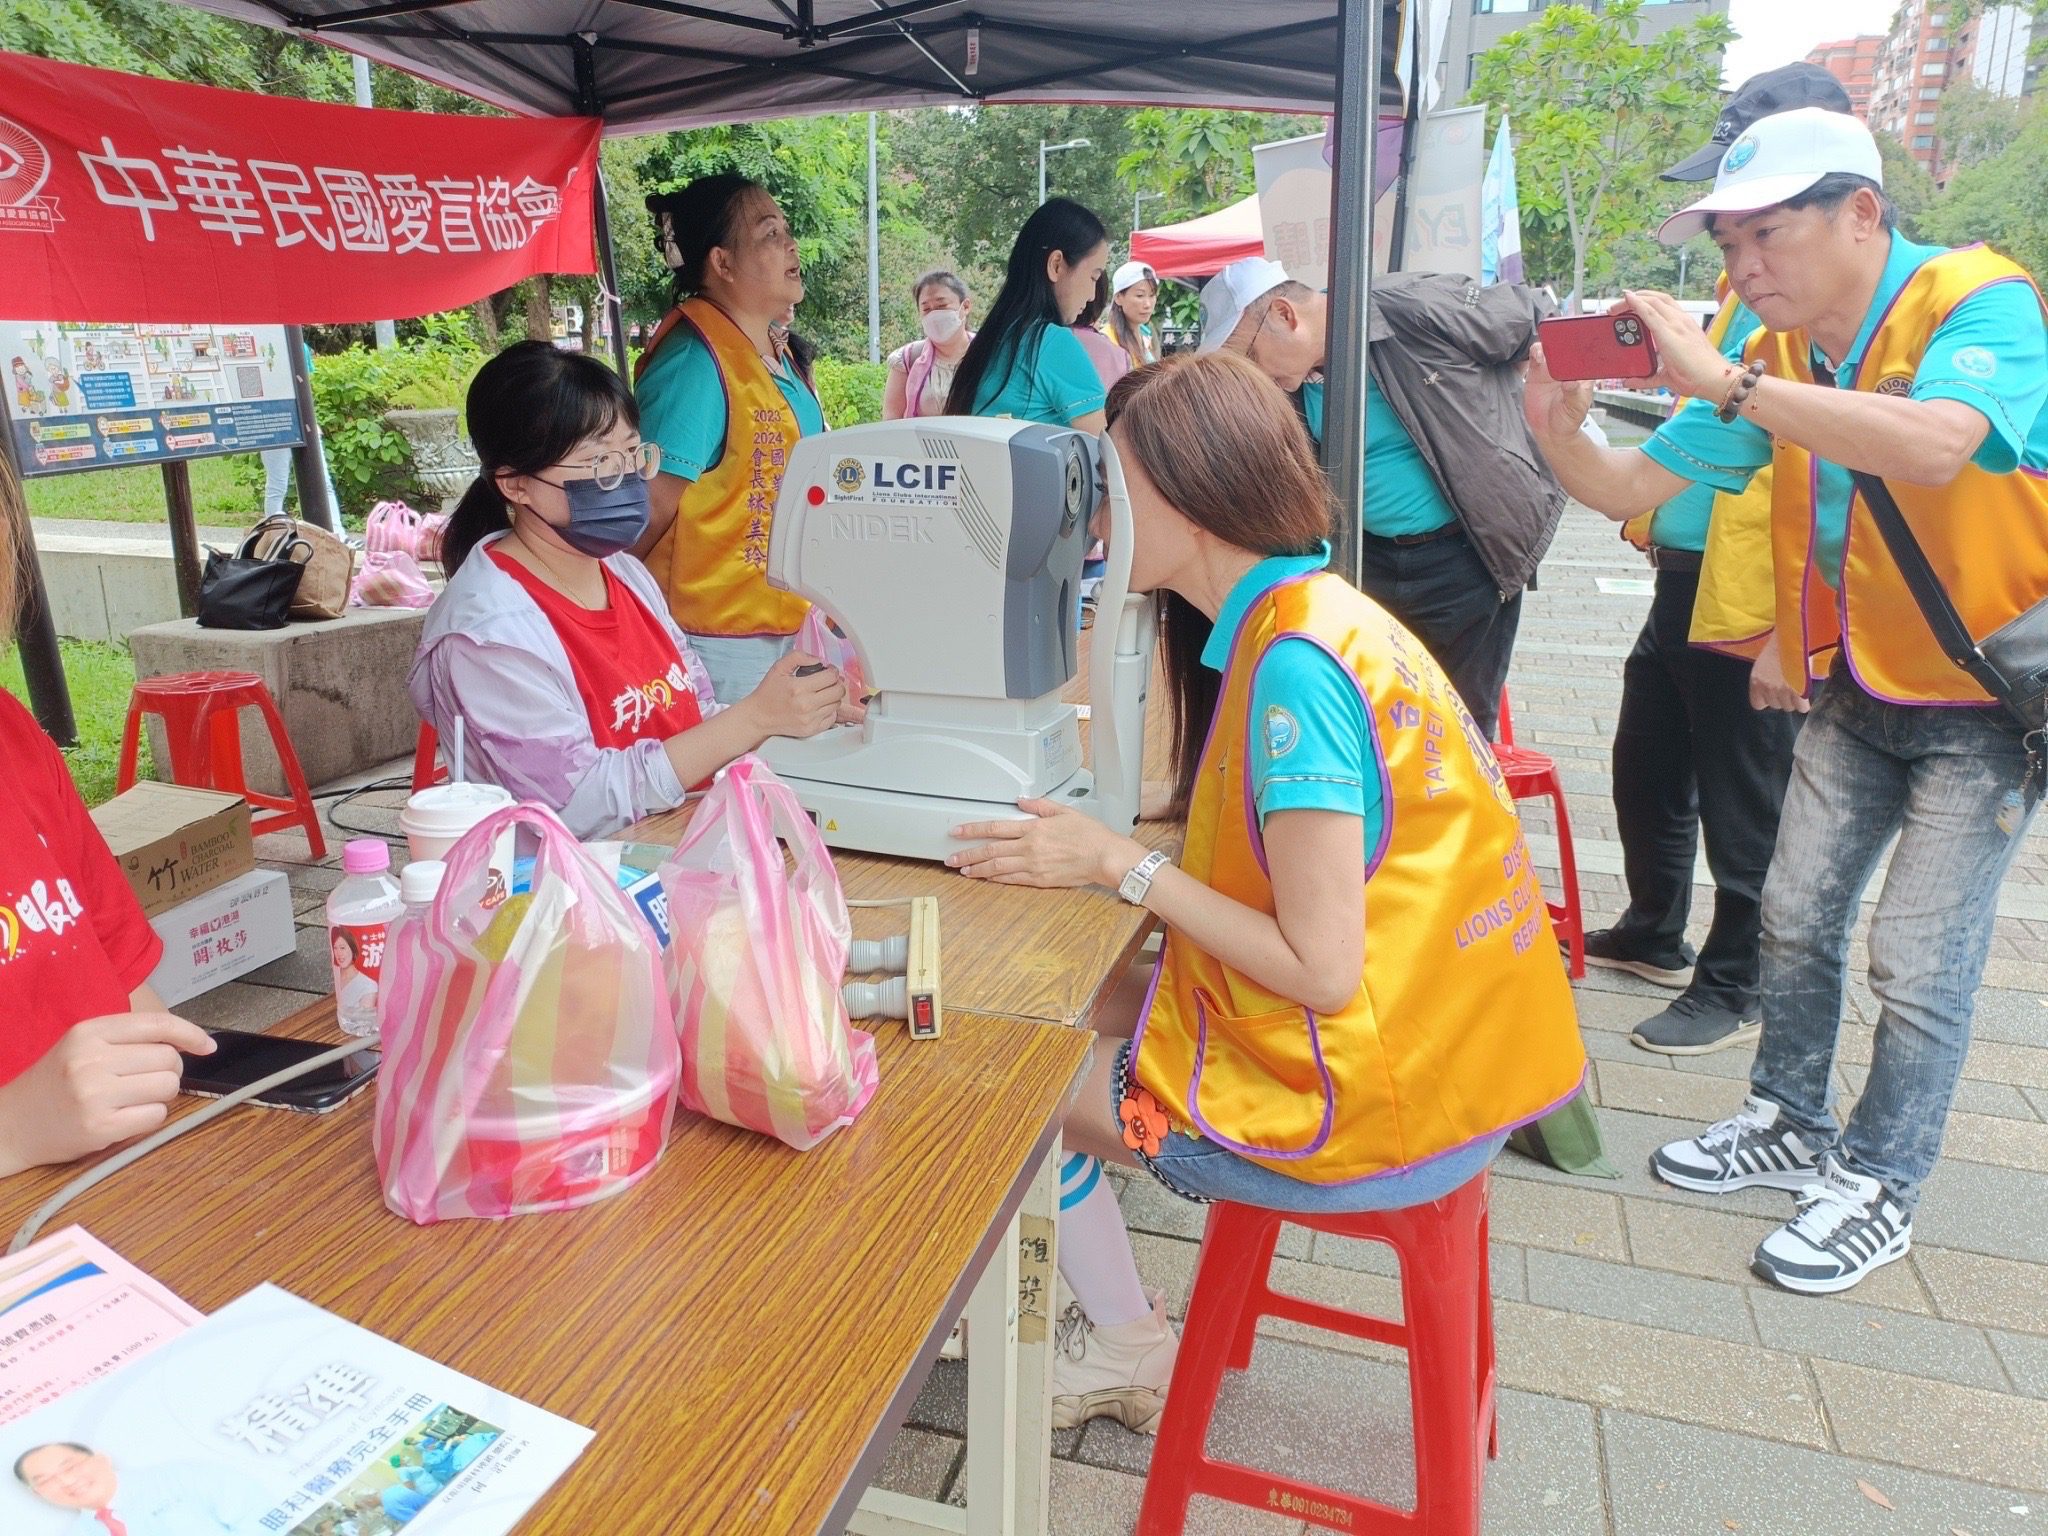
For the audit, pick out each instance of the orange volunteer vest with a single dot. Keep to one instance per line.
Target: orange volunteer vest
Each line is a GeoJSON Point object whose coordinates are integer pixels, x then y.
{"type": "Point", "coordinates": [713, 560]}
{"type": "Point", "coordinates": [1463, 1023]}
{"type": "Point", "coordinates": [1985, 535]}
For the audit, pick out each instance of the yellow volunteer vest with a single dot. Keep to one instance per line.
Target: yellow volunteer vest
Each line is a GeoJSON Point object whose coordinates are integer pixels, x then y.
{"type": "Point", "coordinates": [1985, 535]}
{"type": "Point", "coordinates": [1463, 1024]}
{"type": "Point", "coordinates": [713, 559]}
{"type": "Point", "coordinates": [1732, 611]}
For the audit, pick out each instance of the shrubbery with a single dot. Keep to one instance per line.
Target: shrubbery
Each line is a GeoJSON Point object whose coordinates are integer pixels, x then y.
{"type": "Point", "coordinates": [369, 459]}
{"type": "Point", "coordinates": [850, 393]}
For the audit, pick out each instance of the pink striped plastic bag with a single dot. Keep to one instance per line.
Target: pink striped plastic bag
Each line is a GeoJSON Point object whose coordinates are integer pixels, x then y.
{"type": "Point", "coordinates": [530, 1057]}
{"type": "Point", "coordinates": [756, 957]}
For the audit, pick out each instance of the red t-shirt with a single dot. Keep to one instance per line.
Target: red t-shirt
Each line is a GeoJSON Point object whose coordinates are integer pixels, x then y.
{"type": "Point", "coordinates": [626, 665]}
{"type": "Point", "coordinates": [73, 940]}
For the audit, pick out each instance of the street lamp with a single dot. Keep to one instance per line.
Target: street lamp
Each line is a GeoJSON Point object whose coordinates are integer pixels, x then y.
{"type": "Point", "coordinates": [1139, 201]}
{"type": "Point", "coordinates": [1045, 149]}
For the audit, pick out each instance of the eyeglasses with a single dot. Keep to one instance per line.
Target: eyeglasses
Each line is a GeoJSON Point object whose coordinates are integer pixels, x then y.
{"type": "Point", "coordinates": [611, 467]}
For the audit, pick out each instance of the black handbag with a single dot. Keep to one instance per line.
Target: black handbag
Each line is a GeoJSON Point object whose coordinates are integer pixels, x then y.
{"type": "Point", "coordinates": [248, 591]}
{"type": "Point", "coordinates": [2010, 663]}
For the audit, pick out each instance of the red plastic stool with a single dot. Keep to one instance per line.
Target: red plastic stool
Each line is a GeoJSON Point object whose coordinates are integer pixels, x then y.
{"type": "Point", "coordinates": [427, 770]}
{"type": "Point", "coordinates": [1447, 1329]}
{"type": "Point", "coordinates": [1532, 775]}
{"type": "Point", "coordinates": [201, 712]}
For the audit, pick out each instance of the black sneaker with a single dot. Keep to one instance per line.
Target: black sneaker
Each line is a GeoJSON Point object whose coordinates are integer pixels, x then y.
{"type": "Point", "coordinates": [1690, 1027]}
{"type": "Point", "coordinates": [1747, 1150]}
{"type": "Point", "coordinates": [1607, 949]}
{"type": "Point", "coordinates": [1846, 1227]}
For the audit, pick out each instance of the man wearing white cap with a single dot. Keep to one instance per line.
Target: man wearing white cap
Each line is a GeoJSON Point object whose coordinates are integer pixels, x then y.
{"type": "Point", "coordinates": [1459, 507]}
{"type": "Point", "coordinates": [1887, 374]}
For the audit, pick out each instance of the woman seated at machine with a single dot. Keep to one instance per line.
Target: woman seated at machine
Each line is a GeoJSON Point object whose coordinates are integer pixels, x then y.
{"type": "Point", "coordinates": [1300, 1048]}
{"type": "Point", "coordinates": [553, 647]}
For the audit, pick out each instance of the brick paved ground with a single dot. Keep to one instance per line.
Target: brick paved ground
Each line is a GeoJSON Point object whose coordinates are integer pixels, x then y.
{"type": "Point", "coordinates": [1652, 1387]}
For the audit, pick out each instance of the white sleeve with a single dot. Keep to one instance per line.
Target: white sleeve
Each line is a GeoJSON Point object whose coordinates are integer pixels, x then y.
{"type": "Point", "coordinates": [526, 730]}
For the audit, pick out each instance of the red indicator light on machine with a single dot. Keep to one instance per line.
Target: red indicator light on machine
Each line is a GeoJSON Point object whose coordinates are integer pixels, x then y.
{"type": "Point", "coordinates": [815, 495]}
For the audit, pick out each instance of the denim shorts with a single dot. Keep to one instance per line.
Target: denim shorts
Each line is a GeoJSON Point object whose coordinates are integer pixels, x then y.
{"type": "Point", "coordinates": [1199, 1170]}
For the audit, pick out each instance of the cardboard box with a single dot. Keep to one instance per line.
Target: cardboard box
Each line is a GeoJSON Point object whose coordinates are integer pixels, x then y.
{"type": "Point", "coordinates": [175, 843]}
{"type": "Point", "coordinates": [225, 933]}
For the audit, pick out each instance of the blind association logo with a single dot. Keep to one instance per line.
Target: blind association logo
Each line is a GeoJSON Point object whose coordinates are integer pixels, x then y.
{"type": "Point", "coordinates": [24, 170]}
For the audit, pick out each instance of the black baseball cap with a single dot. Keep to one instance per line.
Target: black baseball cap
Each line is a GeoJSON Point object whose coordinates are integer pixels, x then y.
{"type": "Point", "coordinates": [1775, 90]}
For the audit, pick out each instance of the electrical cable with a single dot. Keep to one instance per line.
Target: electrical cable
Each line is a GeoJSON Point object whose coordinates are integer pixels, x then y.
{"type": "Point", "coordinates": [157, 1138]}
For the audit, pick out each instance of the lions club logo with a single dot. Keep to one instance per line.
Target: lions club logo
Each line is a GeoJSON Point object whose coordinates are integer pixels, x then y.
{"type": "Point", "coordinates": [1740, 153]}
{"type": "Point", "coordinates": [24, 167]}
{"type": "Point", "coordinates": [848, 476]}
{"type": "Point", "coordinates": [1977, 362]}
{"type": "Point", "coordinates": [1896, 384]}
{"type": "Point", "coordinates": [1281, 731]}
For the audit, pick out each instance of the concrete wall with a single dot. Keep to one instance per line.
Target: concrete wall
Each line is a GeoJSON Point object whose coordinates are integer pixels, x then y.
{"type": "Point", "coordinates": [340, 686]}
{"type": "Point", "coordinates": [102, 587]}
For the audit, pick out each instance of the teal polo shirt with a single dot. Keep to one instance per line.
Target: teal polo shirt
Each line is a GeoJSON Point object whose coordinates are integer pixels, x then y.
{"type": "Point", "coordinates": [1402, 497]}
{"type": "Point", "coordinates": [1991, 353]}
{"type": "Point", "coordinates": [1311, 748]}
{"type": "Point", "coordinates": [1681, 523]}
{"type": "Point", "coordinates": [1046, 376]}
{"type": "Point", "coordinates": [683, 409]}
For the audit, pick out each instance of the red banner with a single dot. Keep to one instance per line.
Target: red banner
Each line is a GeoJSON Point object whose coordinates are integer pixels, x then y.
{"type": "Point", "coordinates": [127, 198]}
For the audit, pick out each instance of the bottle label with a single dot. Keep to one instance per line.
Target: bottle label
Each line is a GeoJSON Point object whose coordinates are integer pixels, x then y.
{"type": "Point", "coordinates": [357, 954]}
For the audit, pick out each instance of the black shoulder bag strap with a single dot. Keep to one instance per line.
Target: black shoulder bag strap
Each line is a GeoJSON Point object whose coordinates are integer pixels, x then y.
{"type": "Point", "coordinates": [1928, 592]}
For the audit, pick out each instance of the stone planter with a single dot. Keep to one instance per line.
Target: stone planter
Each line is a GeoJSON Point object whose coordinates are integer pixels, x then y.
{"type": "Point", "coordinates": [441, 452]}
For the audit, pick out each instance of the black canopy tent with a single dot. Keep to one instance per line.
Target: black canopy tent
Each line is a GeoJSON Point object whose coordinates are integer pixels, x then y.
{"type": "Point", "coordinates": [648, 65]}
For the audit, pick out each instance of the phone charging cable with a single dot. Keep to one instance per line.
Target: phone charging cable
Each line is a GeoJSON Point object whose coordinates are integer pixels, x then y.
{"type": "Point", "coordinates": [177, 1128]}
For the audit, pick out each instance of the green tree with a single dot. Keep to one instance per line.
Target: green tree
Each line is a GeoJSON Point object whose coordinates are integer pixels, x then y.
{"type": "Point", "coordinates": [1597, 114]}
{"type": "Point", "coordinates": [1907, 182]}
{"type": "Point", "coordinates": [2002, 201]}
{"type": "Point", "coordinates": [1972, 125]}
{"type": "Point", "coordinates": [1199, 159]}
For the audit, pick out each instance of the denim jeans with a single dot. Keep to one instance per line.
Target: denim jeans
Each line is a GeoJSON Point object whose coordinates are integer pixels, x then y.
{"type": "Point", "coordinates": [736, 664]}
{"type": "Point", "coordinates": [1948, 781]}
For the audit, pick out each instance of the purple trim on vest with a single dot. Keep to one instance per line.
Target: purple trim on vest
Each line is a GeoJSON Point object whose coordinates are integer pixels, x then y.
{"type": "Point", "coordinates": [1243, 1149]}
{"type": "Point", "coordinates": [1511, 1127]}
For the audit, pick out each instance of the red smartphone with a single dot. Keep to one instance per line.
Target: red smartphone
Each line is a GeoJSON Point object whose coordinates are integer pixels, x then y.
{"type": "Point", "coordinates": [1612, 346]}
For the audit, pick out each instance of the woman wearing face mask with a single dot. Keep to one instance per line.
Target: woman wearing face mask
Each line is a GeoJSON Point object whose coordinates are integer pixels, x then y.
{"type": "Point", "coordinates": [921, 372]}
{"type": "Point", "coordinates": [1134, 295]}
{"type": "Point", "coordinates": [725, 402]}
{"type": "Point", "coordinates": [1025, 362]}
{"type": "Point", "coordinates": [551, 644]}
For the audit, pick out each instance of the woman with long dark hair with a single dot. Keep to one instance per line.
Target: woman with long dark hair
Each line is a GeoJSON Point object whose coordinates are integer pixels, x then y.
{"type": "Point", "coordinates": [724, 397]}
{"type": "Point", "coordinates": [1301, 1047]}
{"type": "Point", "coordinates": [88, 1055]}
{"type": "Point", "coordinates": [1024, 361]}
{"type": "Point", "coordinates": [552, 644]}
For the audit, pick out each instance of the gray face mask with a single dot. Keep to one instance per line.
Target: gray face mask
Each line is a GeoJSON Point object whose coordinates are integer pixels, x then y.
{"type": "Point", "coordinates": [603, 522]}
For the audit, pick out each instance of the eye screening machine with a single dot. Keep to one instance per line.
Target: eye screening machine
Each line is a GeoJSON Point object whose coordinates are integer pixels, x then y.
{"type": "Point", "coordinates": [949, 551]}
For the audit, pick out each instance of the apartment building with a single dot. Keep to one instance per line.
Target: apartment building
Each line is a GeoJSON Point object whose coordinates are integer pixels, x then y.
{"type": "Point", "coordinates": [1476, 25]}
{"type": "Point", "coordinates": [1853, 61]}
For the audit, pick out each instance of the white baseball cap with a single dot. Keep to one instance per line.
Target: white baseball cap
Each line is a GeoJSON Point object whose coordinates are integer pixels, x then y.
{"type": "Point", "coordinates": [1777, 158]}
{"type": "Point", "coordinates": [1132, 273]}
{"type": "Point", "coordinates": [1227, 295]}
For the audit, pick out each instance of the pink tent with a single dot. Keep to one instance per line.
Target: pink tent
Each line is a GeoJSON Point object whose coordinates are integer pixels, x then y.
{"type": "Point", "coordinates": [1200, 247]}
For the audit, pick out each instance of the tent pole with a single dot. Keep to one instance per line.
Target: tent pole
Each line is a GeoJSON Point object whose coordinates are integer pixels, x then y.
{"type": "Point", "coordinates": [42, 664]}
{"type": "Point", "coordinates": [1351, 220]}
{"type": "Point", "coordinates": [309, 464]}
{"type": "Point", "coordinates": [590, 105]}
{"type": "Point", "coordinates": [608, 277]}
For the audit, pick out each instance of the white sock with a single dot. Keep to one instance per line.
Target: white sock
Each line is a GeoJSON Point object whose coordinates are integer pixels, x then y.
{"type": "Point", "coordinates": [1095, 1249]}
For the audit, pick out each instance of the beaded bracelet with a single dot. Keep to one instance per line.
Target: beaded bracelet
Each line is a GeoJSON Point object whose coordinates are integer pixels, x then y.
{"type": "Point", "coordinates": [1740, 391]}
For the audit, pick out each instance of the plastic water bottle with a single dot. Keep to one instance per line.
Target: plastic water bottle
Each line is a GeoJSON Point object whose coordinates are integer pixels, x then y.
{"type": "Point", "coordinates": [418, 884]}
{"type": "Point", "coordinates": [359, 911]}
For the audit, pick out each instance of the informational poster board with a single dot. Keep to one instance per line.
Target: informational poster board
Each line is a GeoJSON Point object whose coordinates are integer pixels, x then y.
{"type": "Point", "coordinates": [83, 396]}
{"type": "Point", "coordinates": [1443, 225]}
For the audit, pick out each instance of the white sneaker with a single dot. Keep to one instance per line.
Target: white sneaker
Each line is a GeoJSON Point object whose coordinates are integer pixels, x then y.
{"type": "Point", "coordinates": [1742, 1152]}
{"type": "Point", "coordinates": [1846, 1227]}
{"type": "Point", "coordinates": [1116, 1373]}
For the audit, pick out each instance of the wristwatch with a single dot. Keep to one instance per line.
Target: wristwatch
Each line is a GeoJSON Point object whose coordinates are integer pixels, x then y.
{"type": "Point", "coordinates": [1139, 880]}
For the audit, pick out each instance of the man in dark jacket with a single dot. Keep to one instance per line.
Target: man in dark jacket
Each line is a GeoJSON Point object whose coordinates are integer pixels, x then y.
{"type": "Point", "coordinates": [1459, 505]}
